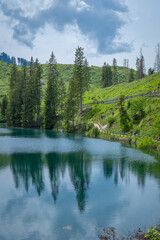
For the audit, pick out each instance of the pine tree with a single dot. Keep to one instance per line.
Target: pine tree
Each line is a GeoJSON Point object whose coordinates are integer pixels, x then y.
{"type": "Point", "coordinates": [87, 77]}
{"type": "Point", "coordinates": [140, 66]}
{"type": "Point", "coordinates": [51, 98]}
{"type": "Point", "coordinates": [126, 66]}
{"type": "Point", "coordinates": [106, 76]}
{"type": "Point", "coordinates": [25, 96]}
{"type": "Point", "coordinates": [61, 93]}
{"type": "Point", "coordinates": [4, 106]}
{"type": "Point", "coordinates": [71, 106]}
{"type": "Point", "coordinates": [11, 105]}
{"type": "Point", "coordinates": [115, 73]}
{"type": "Point", "coordinates": [28, 96]}
{"type": "Point", "coordinates": [78, 74]}
{"type": "Point", "coordinates": [150, 71]}
{"type": "Point", "coordinates": [131, 75]}
{"type": "Point", "coordinates": [124, 119]}
{"type": "Point", "coordinates": [157, 60]}
{"type": "Point", "coordinates": [37, 71]}
{"type": "Point", "coordinates": [137, 66]}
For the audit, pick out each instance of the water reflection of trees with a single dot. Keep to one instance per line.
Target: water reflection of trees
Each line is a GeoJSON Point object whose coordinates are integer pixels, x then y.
{"type": "Point", "coordinates": [122, 168]}
{"type": "Point", "coordinates": [80, 171]}
{"type": "Point", "coordinates": [28, 168]}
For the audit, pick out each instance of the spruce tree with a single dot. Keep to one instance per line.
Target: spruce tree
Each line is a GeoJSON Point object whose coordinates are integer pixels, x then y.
{"type": "Point", "coordinates": [28, 96]}
{"type": "Point", "coordinates": [11, 105]}
{"type": "Point", "coordinates": [37, 71]}
{"type": "Point", "coordinates": [51, 97]}
{"type": "Point", "coordinates": [140, 66]}
{"type": "Point", "coordinates": [71, 106]}
{"type": "Point", "coordinates": [4, 106]}
{"type": "Point", "coordinates": [131, 75]}
{"type": "Point", "coordinates": [115, 73]}
{"type": "Point", "coordinates": [87, 78]}
{"type": "Point", "coordinates": [78, 74]}
{"type": "Point", "coordinates": [106, 76]}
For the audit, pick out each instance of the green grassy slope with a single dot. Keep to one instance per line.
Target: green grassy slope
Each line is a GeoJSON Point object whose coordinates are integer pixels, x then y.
{"type": "Point", "coordinates": [65, 71]}
{"type": "Point", "coordinates": [148, 126]}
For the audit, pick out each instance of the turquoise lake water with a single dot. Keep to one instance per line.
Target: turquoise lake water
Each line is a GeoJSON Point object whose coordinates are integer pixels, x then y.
{"type": "Point", "coordinates": [58, 186]}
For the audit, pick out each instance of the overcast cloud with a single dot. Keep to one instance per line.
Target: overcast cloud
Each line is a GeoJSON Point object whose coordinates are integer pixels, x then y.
{"type": "Point", "coordinates": [99, 20]}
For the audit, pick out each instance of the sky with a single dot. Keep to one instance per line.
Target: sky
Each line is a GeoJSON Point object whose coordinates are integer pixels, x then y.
{"type": "Point", "coordinates": [106, 29]}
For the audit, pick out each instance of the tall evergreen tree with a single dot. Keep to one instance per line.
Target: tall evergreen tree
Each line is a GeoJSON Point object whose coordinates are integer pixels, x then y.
{"type": "Point", "coordinates": [106, 76]}
{"type": "Point", "coordinates": [11, 105]}
{"type": "Point", "coordinates": [51, 98]}
{"type": "Point", "coordinates": [78, 73]}
{"type": "Point", "coordinates": [25, 96]}
{"type": "Point", "coordinates": [4, 106]}
{"type": "Point", "coordinates": [28, 96]}
{"type": "Point", "coordinates": [37, 71]}
{"type": "Point", "coordinates": [115, 73]}
{"type": "Point", "coordinates": [157, 59]}
{"type": "Point", "coordinates": [71, 105]}
{"type": "Point", "coordinates": [61, 93]}
{"type": "Point", "coordinates": [140, 66]}
{"type": "Point", "coordinates": [87, 77]}
{"type": "Point", "coordinates": [131, 75]}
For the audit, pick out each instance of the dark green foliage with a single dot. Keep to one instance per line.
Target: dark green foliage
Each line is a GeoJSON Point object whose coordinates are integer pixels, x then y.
{"type": "Point", "coordinates": [137, 111]}
{"type": "Point", "coordinates": [106, 76]}
{"type": "Point", "coordinates": [124, 119]}
{"type": "Point", "coordinates": [115, 72]}
{"type": "Point", "coordinates": [4, 106]}
{"type": "Point", "coordinates": [111, 119]}
{"type": "Point", "coordinates": [24, 96]}
{"type": "Point", "coordinates": [140, 66]}
{"type": "Point", "coordinates": [87, 77]}
{"type": "Point", "coordinates": [71, 106]}
{"type": "Point", "coordinates": [37, 71]}
{"type": "Point", "coordinates": [61, 93]}
{"type": "Point", "coordinates": [78, 75]}
{"type": "Point", "coordinates": [13, 98]}
{"type": "Point", "coordinates": [94, 132]}
{"type": "Point", "coordinates": [150, 71]}
{"type": "Point", "coordinates": [131, 75]}
{"type": "Point", "coordinates": [31, 94]}
{"type": "Point", "coordinates": [51, 97]}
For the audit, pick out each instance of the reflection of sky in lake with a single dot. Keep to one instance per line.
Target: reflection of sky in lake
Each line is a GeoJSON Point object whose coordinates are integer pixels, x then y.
{"type": "Point", "coordinates": [60, 185]}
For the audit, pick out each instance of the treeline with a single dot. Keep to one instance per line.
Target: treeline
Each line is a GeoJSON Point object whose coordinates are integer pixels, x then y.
{"type": "Point", "coordinates": [110, 74]}
{"type": "Point", "coordinates": [5, 58]}
{"type": "Point", "coordinates": [28, 106]}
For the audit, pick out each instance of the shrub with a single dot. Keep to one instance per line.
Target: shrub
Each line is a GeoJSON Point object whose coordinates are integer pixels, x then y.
{"type": "Point", "coordinates": [111, 119]}
{"type": "Point", "coordinates": [94, 132]}
{"type": "Point", "coordinates": [152, 234]}
{"type": "Point", "coordinates": [146, 143]}
{"type": "Point", "coordinates": [158, 148]}
{"type": "Point", "coordinates": [137, 111]}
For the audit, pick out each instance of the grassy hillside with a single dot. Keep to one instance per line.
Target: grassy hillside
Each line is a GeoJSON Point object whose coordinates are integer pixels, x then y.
{"type": "Point", "coordinates": [108, 114]}
{"type": "Point", "coordinates": [65, 71]}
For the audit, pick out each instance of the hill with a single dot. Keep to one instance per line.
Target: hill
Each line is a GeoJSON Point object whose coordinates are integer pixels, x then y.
{"type": "Point", "coordinates": [141, 96]}
{"type": "Point", "coordinates": [65, 71]}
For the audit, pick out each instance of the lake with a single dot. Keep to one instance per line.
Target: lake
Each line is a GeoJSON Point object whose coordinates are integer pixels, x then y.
{"type": "Point", "coordinates": [60, 186]}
